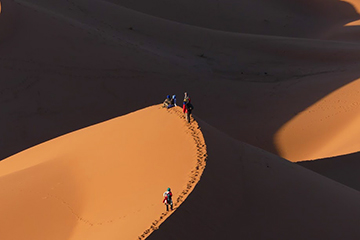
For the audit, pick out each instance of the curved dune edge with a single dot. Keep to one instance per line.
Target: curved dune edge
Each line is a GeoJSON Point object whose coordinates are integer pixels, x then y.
{"type": "Point", "coordinates": [195, 132]}
{"type": "Point", "coordinates": [354, 3]}
{"type": "Point", "coordinates": [103, 181]}
{"type": "Point", "coordinates": [343, 169]}
{"type": "Point", "coordinates": [248, 193]}
{"type": "Point", "coordinates": [328, 128]}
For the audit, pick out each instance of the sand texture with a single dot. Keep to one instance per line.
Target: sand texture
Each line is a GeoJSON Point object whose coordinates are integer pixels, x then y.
{"type": "Point", "coordinates": [87, 151]}
{"type": "Point", "coordinates": [104, 181]}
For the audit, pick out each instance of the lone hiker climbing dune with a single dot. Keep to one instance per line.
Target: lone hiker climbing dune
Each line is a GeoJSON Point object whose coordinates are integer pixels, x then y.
{"type": "Point", "coordinates": [168, 199]}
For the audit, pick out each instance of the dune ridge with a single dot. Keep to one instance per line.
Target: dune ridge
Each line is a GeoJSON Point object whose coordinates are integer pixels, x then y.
{"type": "Point", "coordinates": [195, 132]}
{"type": "Point", "coordinates": [343, 168]}
{"type": "Point", "coordinates": [296, 19]}
{"type": "Point", "coordinates": [249, 193]}
{"type": "Point", "coordinates": [252, 68]}
{"type": "Point", "coordinates": [327, 128]}
{"type": "Point", "coordinates": [104, 181]}
{"type": "Point", "coordinates": [146, 57]}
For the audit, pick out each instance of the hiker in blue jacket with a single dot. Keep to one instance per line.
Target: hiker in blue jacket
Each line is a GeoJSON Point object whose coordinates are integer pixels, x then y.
{"type": "Point", "coordinates": [167, 101]}
{"type": "Point", "coordinates": [172, 102]}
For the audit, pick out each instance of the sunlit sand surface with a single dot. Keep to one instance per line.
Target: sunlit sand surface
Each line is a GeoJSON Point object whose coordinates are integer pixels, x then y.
{"type": "Point", "coordinates": [271, 81]}
{"type": "Point", "coordinates": [328, 128]}
{"type": "Point", "coordinates": [104, 181]}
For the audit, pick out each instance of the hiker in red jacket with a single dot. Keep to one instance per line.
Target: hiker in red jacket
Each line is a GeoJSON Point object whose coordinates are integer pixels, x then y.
{"type": "Point", "coordinates": [187, 107]}
{"type": "Point", "coordinates": [168, 199]}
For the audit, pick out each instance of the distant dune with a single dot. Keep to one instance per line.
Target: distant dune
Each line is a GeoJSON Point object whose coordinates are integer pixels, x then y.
{"type": "Point", "coordinates": [271, 82]}
{"type": "Point", "coordinates": [327, 128]}
{"type": "Point", "coordinates": [106, 59]}
{"type": "Point", "coordinates": [343, 169]}
{"type": "Point", "coordinates": [299, 18]}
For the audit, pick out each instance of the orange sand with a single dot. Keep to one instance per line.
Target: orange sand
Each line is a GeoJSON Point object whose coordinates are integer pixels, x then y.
{"type": "Point", "coordinates": [105, 181]}
{"type": "Point", "coordinates": [354, 3]}
{"type": "Point", "coordinates": [328, 128]}
{"type": "Point", "coordinates": [282, 76]}
{"type": "Point", "coordinates": [248, 193]}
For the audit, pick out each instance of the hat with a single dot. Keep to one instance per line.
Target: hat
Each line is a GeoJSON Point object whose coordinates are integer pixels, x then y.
{"type": "Point", "coordinates": [168, 189]}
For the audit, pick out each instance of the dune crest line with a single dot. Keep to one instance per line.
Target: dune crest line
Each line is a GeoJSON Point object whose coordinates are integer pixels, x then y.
{"type": "Point", "coordinates": [194, 130]}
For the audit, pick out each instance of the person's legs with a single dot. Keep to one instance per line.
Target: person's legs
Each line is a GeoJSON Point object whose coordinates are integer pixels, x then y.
{"type": "Point", "coordinates": [167, 207]}
{"type": "Point", "coordinates": [188, 117]}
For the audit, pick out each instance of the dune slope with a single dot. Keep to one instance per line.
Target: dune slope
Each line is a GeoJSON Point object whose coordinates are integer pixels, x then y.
{"type": "Point", "coordinates": [272, 69]}
{"type": "Point", "coordinates": [84, 57]}
{"type": "Point", "coordinates": [343, 169]}
{"type": "Point", "coordinates": [247, 193]}
{"type": "Point", "coordinates": [105, 181]}
{"type": "Point", "coordinates": [299, 18]}
{"type": "Point", "coordinates": [330, 127]}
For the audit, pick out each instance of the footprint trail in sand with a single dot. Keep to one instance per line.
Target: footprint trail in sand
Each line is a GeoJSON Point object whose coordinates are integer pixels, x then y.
{"type": "Point", "coordinates": [194, 130]}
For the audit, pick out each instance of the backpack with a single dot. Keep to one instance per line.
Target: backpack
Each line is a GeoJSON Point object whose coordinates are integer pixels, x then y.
{"type": "Point", "coordinates": [189, 106]}
{"type": "Point", "coordinates": [168, 197]}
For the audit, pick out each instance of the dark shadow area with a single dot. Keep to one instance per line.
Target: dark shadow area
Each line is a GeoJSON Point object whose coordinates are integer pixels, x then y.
{"type": "Point", "coordinates": [299, 18]}
{"type": "Point", "coordinates": [8, 20]}
{"type": "Point", "coordinates": [254, 116]}
{"type": "Point", "coordinates": [343, 169]}
{"type": "Point", "coordinates": [66, 76]}
{"type": "Point", "coordinates": [346, 33]}
{"type": "Point", "coordinates": [247, 193]}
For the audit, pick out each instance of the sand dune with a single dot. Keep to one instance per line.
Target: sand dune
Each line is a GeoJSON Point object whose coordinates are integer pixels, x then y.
{"type": "Point", "coordinates": [105, 181]}
{"type": "Point", "coordinates": [278, 17]}
{"type": "Point", "coordinates": [57, 60]}
{"type": "Point", "coordinates": [354, 3]}
{"type": "Point", "coordinates": [261, 197]}
{"type": "Point", "coordinates": [343, 169]}
{"type": "Point", "coordinates": [327, 128]}
{"type": "Point", "coordinates": [279, 75]}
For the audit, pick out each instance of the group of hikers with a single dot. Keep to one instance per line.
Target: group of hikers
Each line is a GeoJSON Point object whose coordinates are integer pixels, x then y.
{"type": "Point", "coordinates": [170, 102]}
{"type": "Point", "coordinates": [187, 106]}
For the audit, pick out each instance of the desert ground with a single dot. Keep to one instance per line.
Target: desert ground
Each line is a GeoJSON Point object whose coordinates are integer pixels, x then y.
{"type": "Point", "coordinates": [87, 151]}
